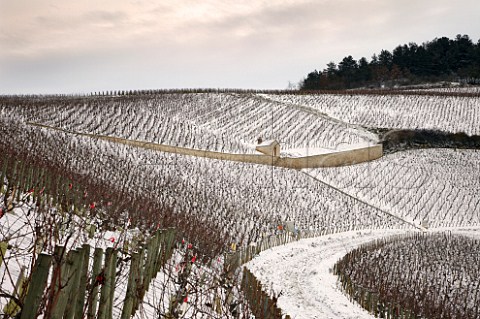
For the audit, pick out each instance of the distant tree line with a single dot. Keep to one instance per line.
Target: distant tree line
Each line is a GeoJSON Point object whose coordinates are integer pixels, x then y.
{"type": "Point", "coordinates": [442, 59]}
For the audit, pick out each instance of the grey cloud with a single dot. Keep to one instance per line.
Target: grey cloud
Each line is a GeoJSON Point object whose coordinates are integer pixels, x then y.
{"type": "Point", "coordinates": [161, 9]}
{"type": "Point", "coordinates": [105, 16]}
{"type": "Point", "coordinates": [80, 21]}
{"type": "Point", "coordinates": [274, 18]}
{"type": "Point", "coordinates": [157, 44]}
{"type": "Point", "coordinates": [303, 22]}
{"type": "Point", "coordinates": [14, 40]}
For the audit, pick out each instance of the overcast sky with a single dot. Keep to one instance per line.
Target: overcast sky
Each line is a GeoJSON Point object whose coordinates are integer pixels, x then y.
{"type": "Point", "coordinates": [68, 46]}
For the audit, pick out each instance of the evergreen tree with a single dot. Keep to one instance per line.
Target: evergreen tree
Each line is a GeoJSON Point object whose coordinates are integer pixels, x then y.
{"type": "Point", "coordinates": [441, 59]}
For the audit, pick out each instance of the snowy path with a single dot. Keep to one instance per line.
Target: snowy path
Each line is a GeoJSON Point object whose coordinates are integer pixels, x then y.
{"type": "Point", "coordinates": [301, 272]}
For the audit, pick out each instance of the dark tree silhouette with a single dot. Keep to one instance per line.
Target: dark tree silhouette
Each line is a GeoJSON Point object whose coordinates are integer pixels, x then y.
{"type": "Point", "coordinates": [441, 59]}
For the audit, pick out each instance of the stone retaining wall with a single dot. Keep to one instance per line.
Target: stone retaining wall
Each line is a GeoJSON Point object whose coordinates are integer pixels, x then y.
{"type": "Point", "coordinates": [349, 157]}
{"type": "Point", "coordinates": [342, 158]}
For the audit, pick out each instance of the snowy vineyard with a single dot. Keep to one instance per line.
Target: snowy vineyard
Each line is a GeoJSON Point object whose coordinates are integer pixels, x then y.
{"type": "Point", "coordinates": [52, 220]}
{"type": "Point", "coordinates": [396, 111]}
{"type": "Point", "coordinates": [217, 122]}
{"type": "Point", "coordinates": [431, 276]}
{"type": "Point", "coordinates": [243, 201]}
{"type": "Point", "coordinates": [439, 187]}
{"type": "Point", "coordinates": [115, 195]}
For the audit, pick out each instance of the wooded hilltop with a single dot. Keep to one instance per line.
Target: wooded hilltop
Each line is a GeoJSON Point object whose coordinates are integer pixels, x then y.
{"type": "Point", "coordinates": [441, 59]}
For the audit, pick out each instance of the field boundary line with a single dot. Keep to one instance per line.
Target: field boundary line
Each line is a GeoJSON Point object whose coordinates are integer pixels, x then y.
{"type": "Point", "coordinates": [363, 202]}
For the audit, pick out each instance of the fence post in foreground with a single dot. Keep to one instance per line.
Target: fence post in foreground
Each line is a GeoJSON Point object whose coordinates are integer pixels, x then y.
{"type": "Point", "coordinates": [111, 279]}
{"type": "Point", "coordinates": [105, 291]}
{"type": "Point", "coordinates": [37, 286]}
{"type": "Point", "coordinates": [73, 284]}
{"type": "Point", "coordinates": [55, 280]}
{"type": "Point", "coordinates": [131, 293]}
{"type": "Point", "coordinates": [93, 296]}
{"type": "Point", "coordinates": [61, 303]}
{"type": "Point", "coordinates": [12, 308]}
{"type": "Point", "coordinates": [82, 286]}
{"type": "Point", "coordinates": [139, 279]}
{"type": "Point", "coordinates": [3, 250]}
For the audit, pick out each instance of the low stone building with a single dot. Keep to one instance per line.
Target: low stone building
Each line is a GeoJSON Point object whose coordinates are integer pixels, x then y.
{"type": "Point", "coordinates": [270, 147]}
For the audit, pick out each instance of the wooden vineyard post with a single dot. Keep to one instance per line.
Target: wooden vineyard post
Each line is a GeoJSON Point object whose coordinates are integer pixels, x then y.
{"type": "Point", "coordinates": [244, 283]}
{"type": "Point", "coordinates": [255, 296]}
{"type": "Point", "coordinates": [374, 305]}
{"type": "Point", "coordinates": [139, 279]}
{"type": "Point", "coordinates": [3, 250]}
{"type": "Point", "coordinates": [37, 286]}
{"type": "Point", "coordinates": [131, 293]}
{"type": "Point", "coordinates": [368, 301]}
{"type": "Point", "coordinates": [65, 280]}
{"type": "Point", "coordinates": [12, 308]}
{"type": "Point", "coordinates": [111, 276]}
{"type": "Point", "coordinates": [163, 244]}
{"type": "Point", "coordinates": [152, 255]}
{"type": "Point", "coordinates": [158, 252]}
{"type": "Point", "coordinates": [106, 293]}
{"type": "Point", "coordinates": [11, 198]}
{"type": "Point", "coordinates": [144, 265]}
{"type": "Point", "coordinates": [93, 295]}
{"type": "Point", "coordinates": [82, 286]}
{"type": "Point", "coordinates": [73, 285]}
{"type": "Point", "coordinates": [167, 243]}
{"type": "Point", "coordinates": [3, 174]}
{"type": "Point", "coordinates": [170, 244]}
{"type": "Point", "coordinates": [55, 281]}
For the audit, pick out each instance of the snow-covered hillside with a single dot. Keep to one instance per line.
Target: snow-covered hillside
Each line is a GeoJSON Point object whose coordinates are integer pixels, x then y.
{"type": "Point", "coordinates": [444, 113]}
{"type": "Point", "coordinates": [238, 204]}
{"type": "Point", "coordinates": [229, 123]}
{"type": "Point", "coordinates": [435, 185]}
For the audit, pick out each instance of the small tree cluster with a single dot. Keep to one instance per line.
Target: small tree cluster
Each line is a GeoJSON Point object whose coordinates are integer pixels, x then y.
{"type": "Point", "coordinates": [440, 59]}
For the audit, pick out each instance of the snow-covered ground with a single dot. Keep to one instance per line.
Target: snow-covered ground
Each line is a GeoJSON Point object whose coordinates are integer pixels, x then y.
{"type": "Point", "coordinates": [453, 89]}
{"type": "Point", "coordinates": [435, 185]}
{"type": "Point", "coordinates": [300, 273]}
{"type": "Point", "coordinates": [229, 123]}
{"type": "Point", "coordinates": [445, 113]}
{"type": "Point", "coordinates": [18, 227]}
{"type": "Point", "coordinates": [246, 200]}
{"type": "Point", "coordinates": [249, 201]}
{"type": "Point", "coordinates": [310, 151]}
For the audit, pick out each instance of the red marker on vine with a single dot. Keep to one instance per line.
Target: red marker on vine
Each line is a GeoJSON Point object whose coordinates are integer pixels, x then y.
{"type": "Point", "coordinates": [100, 279]}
